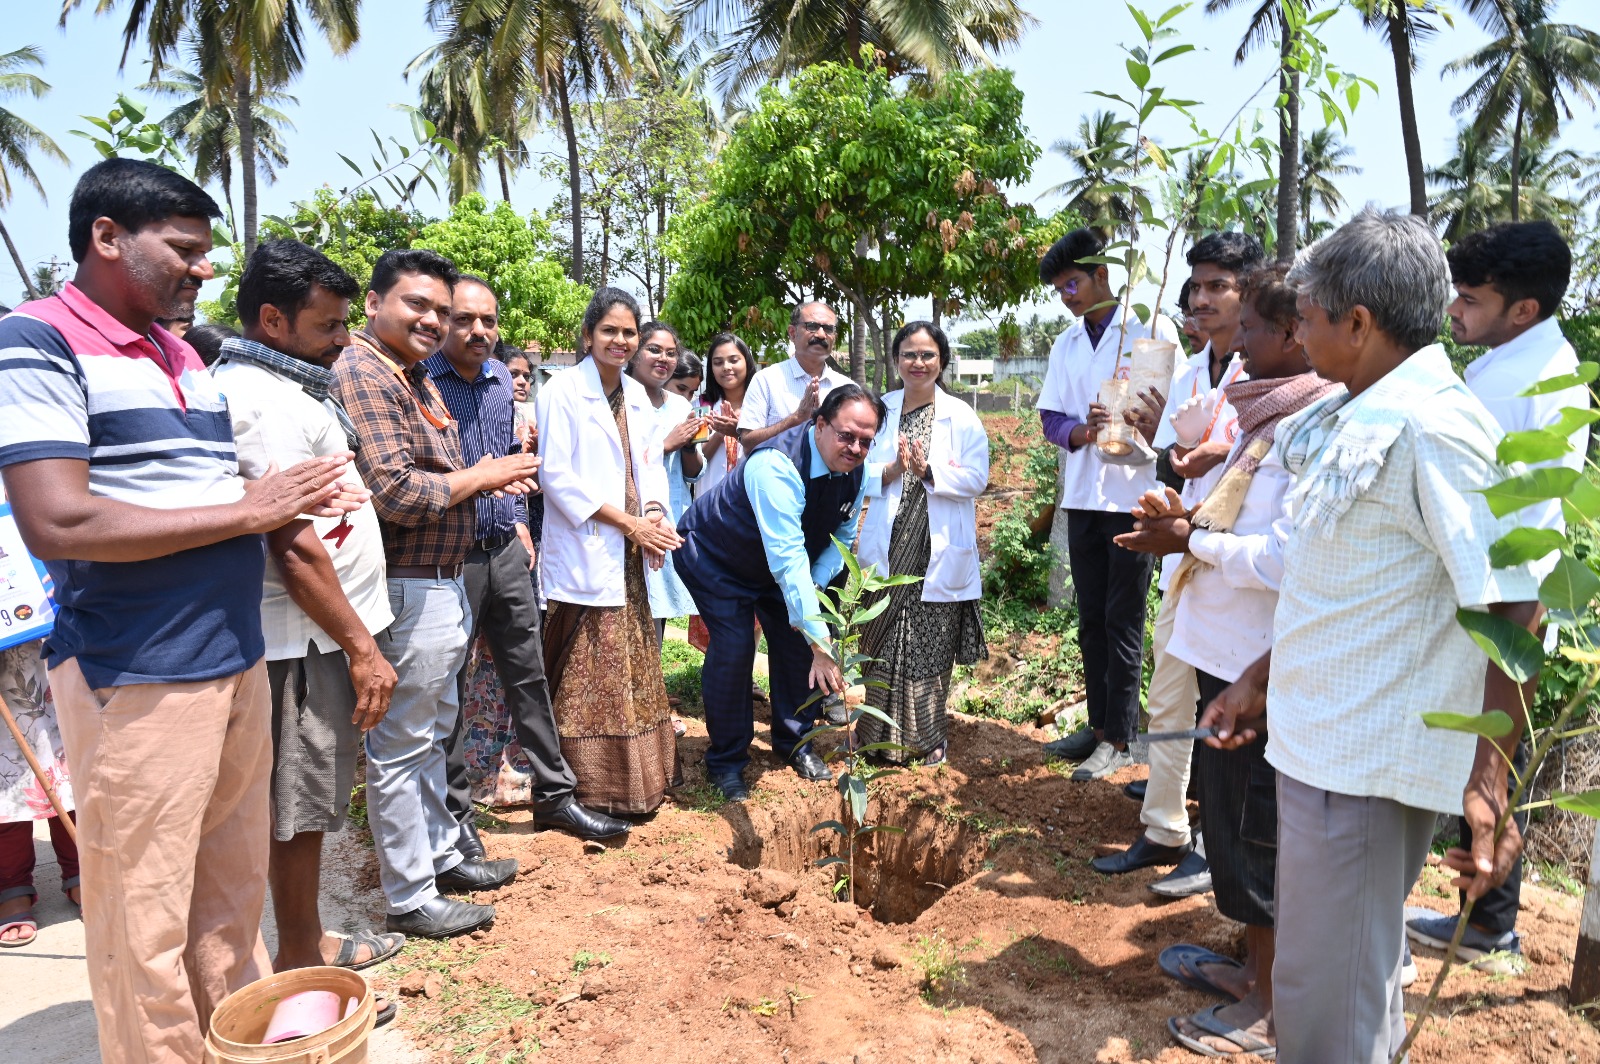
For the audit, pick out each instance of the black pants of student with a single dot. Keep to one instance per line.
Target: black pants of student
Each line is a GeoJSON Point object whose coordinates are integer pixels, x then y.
{"type": "Point", "coordinates": [1239, 821]}
{"type": "Point", "coordinates": [1111, 585]}
{"type": "Point", "coordinates": [1496, 911]}
{"type": "Point", "coordinates": [505, 610]}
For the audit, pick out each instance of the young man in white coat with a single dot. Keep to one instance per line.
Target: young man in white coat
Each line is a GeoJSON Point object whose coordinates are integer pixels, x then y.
{"type": "Point", "coordinates": [1111, 582]}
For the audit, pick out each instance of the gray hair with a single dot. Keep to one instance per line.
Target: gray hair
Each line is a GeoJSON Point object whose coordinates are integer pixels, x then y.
{"type": "Point", "coordinates": [799, 308]}
{"type": "Point", "coordinates": [1390, 262]}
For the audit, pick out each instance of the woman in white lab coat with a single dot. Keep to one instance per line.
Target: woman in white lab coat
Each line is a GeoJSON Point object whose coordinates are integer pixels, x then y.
{"type": "Point", "coordinates": [605, 520]}
{"type": "Point", "coordinates": [926, 470]}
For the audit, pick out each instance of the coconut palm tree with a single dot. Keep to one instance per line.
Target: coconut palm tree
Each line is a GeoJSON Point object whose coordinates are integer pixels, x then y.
{"type": "Point", "coordinates": [1473, 188]}
{"type": "Point", "coordinates": [1527, 77]}
{"type": "Point", "coordinates": [1099, 155]}
{"type": "Point", "coordinates": [1405, 27]}
{"type": "Point", "coordinates": [20, 138]}
{"type": "Point", "coordinates": [206, 130]}
{"type": "Point", "coordinates": [246, 47]}
{"type": "Point", "coordinates": [1322, 164]}
{"type": "Point", "coordinates": [541, 54]}
{"type": "Point", "coordinates": [768, 39]}
{"type": "Point", "coordinates": [1267, 22]}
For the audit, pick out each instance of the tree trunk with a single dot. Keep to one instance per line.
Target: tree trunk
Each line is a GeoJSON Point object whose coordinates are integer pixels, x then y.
{"type": "Point", "coordinates": [244, 119]}
{"type": "Point", "coordinates": [1516, 166]}
{"type": "Point", "coordinates": [22, 271]}
{"type": "Point", "coordinates": [891, 378]}
{"type": "Point", "coordinates": [858, 345]}
{"type": "Point", "coordinates": [852, 35]}
{"type": "Point", "coordinates": [1288, 150]}
{"type": "Point", "coordinates": [1400, 45]}
{"type": "Point", "coordinates": [505, 178]}
{"type": "Point", "coordinates": [661, 257]}
{"type": "Point", "coordinates": [936, 314]}
{"type": "Point", "coordinates": [574, 185]}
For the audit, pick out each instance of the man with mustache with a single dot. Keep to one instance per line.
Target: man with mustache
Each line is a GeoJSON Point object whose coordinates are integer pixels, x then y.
{"type": "Point", "coordinates": [120, 465]}
{"type": "Point", "coordinates": [410, 456]}
{"type": "Point", "coordinates": [325, 596]}
{"type": "Point", "coordinates": [479, 393]}
{"type": "Point", "coordinates": [787, 395]}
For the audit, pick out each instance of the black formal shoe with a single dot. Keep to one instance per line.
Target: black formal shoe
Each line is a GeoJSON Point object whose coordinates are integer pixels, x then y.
{"type": "Point", "coordinates": [1136, 789]}
{"type": "Point", "coordinates": [441, 918]}
{"type": "Point", "coordinates": [809, 765]}
{"type": "Point", "coordinates": [733, 788]}
{"type": "Point", "coordinates": [476, 875]}
{"type": "Point", "coordinates": [585, 823]}
{"type": "Point", "coordinates": [834, 711]}
{"type": "Point", "coordinates": [1142, 854]}
{"type": "Point", "coordinates": [469, 845]}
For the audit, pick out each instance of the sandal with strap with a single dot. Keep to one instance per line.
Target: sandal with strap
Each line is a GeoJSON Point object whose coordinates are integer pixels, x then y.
{"type": "Point", "coordinates": [1182, 962]}
{"type": "Point", "coordinates": [25, 920]}
{"type": "Point", "coordinates": [382, 946]}
{"type": "Point", "coordinates": [1207, 1021]}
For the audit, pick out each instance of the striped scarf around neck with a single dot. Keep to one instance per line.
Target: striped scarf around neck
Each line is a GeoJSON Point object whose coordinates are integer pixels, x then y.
{"type": "Point", "coordinates": [312, 379]}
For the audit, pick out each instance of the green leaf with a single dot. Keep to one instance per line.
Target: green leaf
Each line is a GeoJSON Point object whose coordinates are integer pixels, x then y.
{"type": "Point", "coordinates": [1586, 804]}
{"type": "Point", "coordinates": [857, 795]}
{"type": "Point", "coordinates": [1524, 545]}
{"type": "Point", "coordinates": [1582, 502]}
{"type": "Point", "coordinates": [872, 711]}
{"type": "Point", "coordinates": [824, 862]}
{"type": "Point", "coordinates": [1491, 725]}
{"type": "Point", "coordinates": [1509, 645]}
{"type": "Point", "coordinates": [891, 828]}
{"type": "Point", "coordinates": [1144, 23]}
{"type": "Point", "coordinates": [1531, 447]}
{"type": "Point", "coordinates": [1139, 73]}
{"type": "Point", "coordinates": [1585, 374]}
{"type": "Point", "coordinates": [871, 747]}
{"type": "Point", "coordinates": [350, 164]}
{"type": "Point", "coordinates": [1173, 52]}
{"type": "Point", "coordinates": [1571, 587]}
{"type": "Point", "coordinates": [830, 825]}
{"type": "Point", "coordinates": [863, 617]}
{"type": "Point", "coordinates": [1572, 419]}
{"type": "Point", "coordinates": [1536, 485]}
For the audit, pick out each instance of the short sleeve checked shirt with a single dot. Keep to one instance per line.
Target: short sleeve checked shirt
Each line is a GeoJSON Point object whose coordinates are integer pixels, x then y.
{"type": "Point", "coordinates": [1365, 637]}
{"type": "Point", "coordinates": [403, 458]}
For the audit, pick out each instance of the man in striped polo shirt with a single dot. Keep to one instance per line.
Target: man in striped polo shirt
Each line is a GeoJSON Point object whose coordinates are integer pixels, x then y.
{"type": "Point", "coordinates": [117, 454]}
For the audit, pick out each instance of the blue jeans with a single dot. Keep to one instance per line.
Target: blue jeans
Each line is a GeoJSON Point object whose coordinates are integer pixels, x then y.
{"type": "Point", "coordinates": [412, 829]}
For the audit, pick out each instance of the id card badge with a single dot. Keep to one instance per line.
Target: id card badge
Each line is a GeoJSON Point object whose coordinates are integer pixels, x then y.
{"type": "Point", "coordinates": [26, 610]}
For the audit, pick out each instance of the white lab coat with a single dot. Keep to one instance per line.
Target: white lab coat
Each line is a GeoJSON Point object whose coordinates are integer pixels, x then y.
{"type": "Point", "coordinates": [958, 458]}
{"type": "Point", "coordinates": [580, 560]}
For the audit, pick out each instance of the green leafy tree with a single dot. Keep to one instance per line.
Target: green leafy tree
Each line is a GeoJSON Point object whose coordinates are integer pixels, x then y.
{"type": "Point", "coordinates": [19, 139]}
{"type": "Point", "coordinates": [1322, 165]}
{"type": "Point", "coordinates": [244, 47]}
{"type": "Point", "coordinates": [1527, 77]}
{"type": "Point", "coordinates": [842, 186]}
{"type": "Point", "coordinates": [538, 304]}
{"type": "Point", "coordinates": [1473, 188]}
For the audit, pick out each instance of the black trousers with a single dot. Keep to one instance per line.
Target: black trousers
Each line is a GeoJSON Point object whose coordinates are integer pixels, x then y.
{"type": "Point", "coordinates": [1239, 821]}
{"type": "Point", "coordinates": [505, 610]}
{"type": "Point", "coordinates": [1111, 584]}
{"type": "Point", "coordinates": [1496, 911]}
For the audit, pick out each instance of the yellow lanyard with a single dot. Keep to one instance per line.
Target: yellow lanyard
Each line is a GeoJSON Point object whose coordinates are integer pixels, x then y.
{"type": "Point", "coordinates": [433, 419]}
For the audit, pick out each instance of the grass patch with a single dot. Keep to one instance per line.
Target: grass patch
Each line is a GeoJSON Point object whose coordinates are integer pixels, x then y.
{"type": "Point", "coordinates": [680, 668]}
{"type": "Point", "coordinates": [583, 960]}
{"type": "Point", "coordinates": [699, 796]}
{"type": "Point", "coordinates": [939, 961]}
{"type": "Point", "coordinates": [1559, 877]}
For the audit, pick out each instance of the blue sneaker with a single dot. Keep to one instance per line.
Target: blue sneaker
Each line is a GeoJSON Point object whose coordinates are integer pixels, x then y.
{"type": "Point", "coordinates": [1495, 954]}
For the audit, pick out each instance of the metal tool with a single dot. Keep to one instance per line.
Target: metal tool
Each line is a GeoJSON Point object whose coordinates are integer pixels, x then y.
{"type": "Point", "coordinates": [1165, 736]}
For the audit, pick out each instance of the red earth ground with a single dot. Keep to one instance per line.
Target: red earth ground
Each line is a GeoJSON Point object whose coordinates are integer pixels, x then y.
{"type": "Point", "coordinates": [711, 936]}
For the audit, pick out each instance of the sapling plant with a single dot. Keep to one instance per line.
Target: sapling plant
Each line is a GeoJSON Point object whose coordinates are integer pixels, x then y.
{"type": "Point", "coordinates": [848, 610]}
{"type": "Point", "coordinates": [1567, 594]}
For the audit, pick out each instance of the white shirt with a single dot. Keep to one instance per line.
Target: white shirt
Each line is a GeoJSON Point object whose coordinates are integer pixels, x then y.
{"type": "Point", "coordinates": [1498, 379]}
{"type": "Point", "coordinates": [276, 423]}
{"type": "Point", "coordinates": [1194, 378]}
{"type": "Point", "coordinates": [958, 462]}
{"type": "Point", "coordinates": [1071, 382]}
{"type": "Point", "coordinates": [1365, 638]}
{"type": "Point", "coordinates": [1223, 619]}
{"type": "Point", "coordinates": [776, 391]}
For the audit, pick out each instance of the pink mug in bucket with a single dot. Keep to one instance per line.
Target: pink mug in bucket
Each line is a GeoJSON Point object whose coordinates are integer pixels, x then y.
{"type": "Point", "coordinates": [302, 1014]}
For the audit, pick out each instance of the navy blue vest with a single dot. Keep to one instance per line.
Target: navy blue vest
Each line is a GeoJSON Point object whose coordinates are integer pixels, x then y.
{"type": "Point", "coordinates": [726, 525]}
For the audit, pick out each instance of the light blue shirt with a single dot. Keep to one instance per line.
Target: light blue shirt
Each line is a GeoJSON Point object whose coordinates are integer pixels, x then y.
{"type": "Point", "coordinates": [778, 498]}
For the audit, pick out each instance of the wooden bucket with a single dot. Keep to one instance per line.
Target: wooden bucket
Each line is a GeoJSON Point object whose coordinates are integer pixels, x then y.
{"type": "Point", "coordinates": [240, 1022]}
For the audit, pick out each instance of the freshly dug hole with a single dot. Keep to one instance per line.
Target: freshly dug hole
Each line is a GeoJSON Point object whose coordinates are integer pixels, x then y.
{"type": "Point", "coordinates": [899, 874]}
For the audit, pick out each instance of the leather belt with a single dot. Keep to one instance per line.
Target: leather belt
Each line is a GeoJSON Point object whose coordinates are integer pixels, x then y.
{"type": "Point", "coordinates": [424, 572]}
{"type": "Point", "coordinates": [493, 543]}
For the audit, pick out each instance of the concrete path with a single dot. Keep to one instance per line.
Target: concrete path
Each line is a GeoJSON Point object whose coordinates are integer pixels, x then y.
{"type": "Point", "coordinates": [46, 1016]}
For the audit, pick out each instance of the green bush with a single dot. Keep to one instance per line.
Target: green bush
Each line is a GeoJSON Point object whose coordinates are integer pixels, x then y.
{"type": "Point", "coordinates": [680, 667]}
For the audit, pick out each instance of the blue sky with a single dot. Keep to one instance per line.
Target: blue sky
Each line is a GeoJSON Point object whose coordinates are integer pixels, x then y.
{"type": "Point", "coordinates": [1073, 50]}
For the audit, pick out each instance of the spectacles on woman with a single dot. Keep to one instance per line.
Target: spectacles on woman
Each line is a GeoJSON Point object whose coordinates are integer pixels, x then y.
{"type": "Point", "coordinates": [919, 356]}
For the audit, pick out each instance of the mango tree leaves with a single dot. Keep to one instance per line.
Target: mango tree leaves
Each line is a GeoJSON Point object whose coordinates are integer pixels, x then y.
{"type": "Point", "coordinates": [1491, 725]}
{"type": "Point", "coordinates": [1522, 545]}
{"type": "Point", "coordinates": [1509, 645]}
{"type": "Point", "coordinates": [1536, 485]}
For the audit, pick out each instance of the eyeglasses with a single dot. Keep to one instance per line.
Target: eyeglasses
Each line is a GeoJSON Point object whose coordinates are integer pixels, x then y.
{"type": "Point", "coordinates": [819, 327]}
{"type": "Point", "coordinates": [1066, 290]}
{"type": "Point", "coordinates": [852, 442]}
{"type": "Point", "coordinates": [919, 356]}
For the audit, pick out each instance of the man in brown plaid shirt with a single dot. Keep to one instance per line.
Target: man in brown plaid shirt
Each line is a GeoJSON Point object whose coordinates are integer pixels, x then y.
{"type": "Point", "coordinates": [409, 454]}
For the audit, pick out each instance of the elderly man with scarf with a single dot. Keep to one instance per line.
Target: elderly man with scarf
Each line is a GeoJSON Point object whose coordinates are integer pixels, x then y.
{"type": "Point", "coordinates": [1223, 594]}
{"type": "Point", "coordinates": [324, 598]}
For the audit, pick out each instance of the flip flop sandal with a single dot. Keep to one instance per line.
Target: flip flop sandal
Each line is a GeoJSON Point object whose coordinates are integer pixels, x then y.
{"type": "Point", "coordinates": [391, 1007]}
{"type": "Point", "coordinates": [679, 728]}
{"type": "Point", "coordinates": [935, 756]}
{"type": "Point", "coordinates": [1206, 1020]}
{"type": "Point", "coordinates": [1182, 962]}
{"type": "Point", "coordinates": [23, 919]}
{"type": "Point", "coordinates": [383, 946]}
